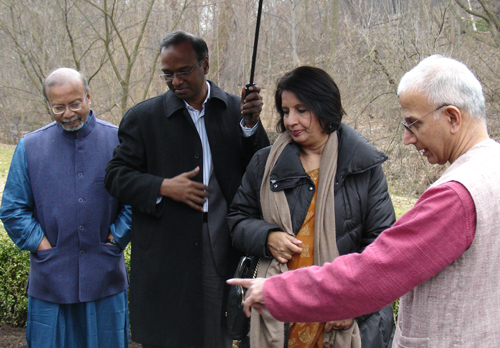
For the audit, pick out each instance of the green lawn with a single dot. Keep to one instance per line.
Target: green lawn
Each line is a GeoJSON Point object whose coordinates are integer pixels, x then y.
{"type": "Point", "coordinates": [14, 265]}
{"type": "Point", "coordinates": [6, 152]}
{"type": "Point", "coordinates": [402, 204]}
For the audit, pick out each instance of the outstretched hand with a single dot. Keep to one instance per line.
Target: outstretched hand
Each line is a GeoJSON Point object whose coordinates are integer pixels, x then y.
{"type": "Point", "coordinates": [182, 189]}
{"type": "Point", "coordinates": [251, 105]}
{"type": "Point", "coordinates": [253, 296]}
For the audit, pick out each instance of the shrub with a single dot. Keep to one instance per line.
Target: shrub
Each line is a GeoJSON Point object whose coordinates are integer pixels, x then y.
{"type": "Point", "coordinates": [126, 254]}
{"type": "Point", "coordinates": [14, 267]}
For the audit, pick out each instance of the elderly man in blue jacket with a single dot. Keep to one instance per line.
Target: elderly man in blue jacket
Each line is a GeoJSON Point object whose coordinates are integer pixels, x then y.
{"type": "Point", "coordinates": [55, 206]}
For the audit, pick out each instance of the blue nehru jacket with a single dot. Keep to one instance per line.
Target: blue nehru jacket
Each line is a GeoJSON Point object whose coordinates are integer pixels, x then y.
{"type": "Point", "coordinates": [75, 212]}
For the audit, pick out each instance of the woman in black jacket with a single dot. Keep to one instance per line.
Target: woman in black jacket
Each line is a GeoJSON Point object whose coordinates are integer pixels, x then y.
{"type": "Point", "coordinates": [319, 192]}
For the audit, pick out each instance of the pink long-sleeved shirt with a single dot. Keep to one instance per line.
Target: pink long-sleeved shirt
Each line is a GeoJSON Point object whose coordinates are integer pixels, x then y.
{"type": "Point", "coordinates": [429, 237]}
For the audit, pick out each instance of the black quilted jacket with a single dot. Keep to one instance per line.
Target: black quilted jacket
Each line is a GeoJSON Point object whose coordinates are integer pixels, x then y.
{"type": "Point", "coordinates": [363, 208]}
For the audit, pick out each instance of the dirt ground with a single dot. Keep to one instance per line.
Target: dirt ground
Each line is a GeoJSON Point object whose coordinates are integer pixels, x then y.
{"type": "Point", "coordinates": [11, 337]}
{"type": "Point", "coordinates": [14, 337]}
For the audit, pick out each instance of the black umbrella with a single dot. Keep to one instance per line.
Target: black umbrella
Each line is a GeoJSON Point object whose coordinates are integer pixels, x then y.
{"type": "Point", "coordinates": [254, 55]}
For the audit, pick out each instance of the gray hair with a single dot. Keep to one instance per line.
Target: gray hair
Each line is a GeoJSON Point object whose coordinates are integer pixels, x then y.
{"type": "Point", "coordinates": [446, 80]}
{"type": "Point", "coordinates": [61, 76]}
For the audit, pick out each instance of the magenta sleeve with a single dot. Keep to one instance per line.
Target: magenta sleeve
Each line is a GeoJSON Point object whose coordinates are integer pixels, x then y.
{"type": "Point", "coordinates": [429, 237]}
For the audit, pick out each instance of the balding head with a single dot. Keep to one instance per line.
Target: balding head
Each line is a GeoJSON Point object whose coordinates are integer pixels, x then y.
{"type": "Point", "coordinates": [68, 98]}
{"type": "Point", "coordinates": [63, 76]}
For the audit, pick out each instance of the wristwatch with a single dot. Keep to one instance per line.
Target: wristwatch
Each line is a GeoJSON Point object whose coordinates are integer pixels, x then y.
{"type": "Point", "coordinates": [112, 241]}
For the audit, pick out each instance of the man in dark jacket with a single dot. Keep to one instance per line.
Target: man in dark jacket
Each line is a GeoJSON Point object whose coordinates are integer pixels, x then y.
{"type": "Point", "coordinates": [179, 163]}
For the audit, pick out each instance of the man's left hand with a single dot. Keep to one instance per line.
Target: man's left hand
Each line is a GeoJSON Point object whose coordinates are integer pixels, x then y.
{"type": "Point", "coordinates": [110, 236]}
{"type": "Point", "coordinates": [251, 104]}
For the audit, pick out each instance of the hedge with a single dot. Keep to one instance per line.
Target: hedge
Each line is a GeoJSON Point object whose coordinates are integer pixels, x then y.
{"type": "Point", "coordinates": [14, 267]}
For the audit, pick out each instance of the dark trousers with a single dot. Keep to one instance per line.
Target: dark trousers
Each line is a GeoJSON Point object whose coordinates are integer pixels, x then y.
{"type": "Point", "coordinates": [214, 336]}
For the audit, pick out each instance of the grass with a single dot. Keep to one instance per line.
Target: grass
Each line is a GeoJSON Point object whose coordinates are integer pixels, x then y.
{"type": "Point", "coordinates": [6, 152]}
{"type": "Point", "coordinates": [401, 205]}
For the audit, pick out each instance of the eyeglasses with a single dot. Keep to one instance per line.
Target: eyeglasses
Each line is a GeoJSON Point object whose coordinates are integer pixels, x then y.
{"type": "Point", "coordinates": [75, 106]}
{"type": "Point", "coordinates": [180, 74]}
{"type": "Point", "coordinates": [408, 126]}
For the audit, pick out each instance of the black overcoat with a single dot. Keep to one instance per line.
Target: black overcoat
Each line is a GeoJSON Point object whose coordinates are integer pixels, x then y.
{"type": "Point", "coordinates": [159, 140]}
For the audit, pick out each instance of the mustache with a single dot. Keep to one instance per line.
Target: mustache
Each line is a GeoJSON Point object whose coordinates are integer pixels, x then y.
{"type": "Point", "coordinates": [71, 119]}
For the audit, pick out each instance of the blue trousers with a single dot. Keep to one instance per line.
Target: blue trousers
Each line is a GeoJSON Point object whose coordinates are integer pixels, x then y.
{"type": "Point", "coordinates": [96, 324]}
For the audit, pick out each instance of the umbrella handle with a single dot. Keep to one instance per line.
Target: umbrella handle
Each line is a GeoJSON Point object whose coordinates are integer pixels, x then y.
{"type": "Point", "coordinates": [247, 92]}
{"type": "Point", "coordinates": [254, 54]}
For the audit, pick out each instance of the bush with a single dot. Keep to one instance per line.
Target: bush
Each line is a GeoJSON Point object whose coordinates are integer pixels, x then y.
{"type": "Point", "coordinates": [126, 254]}
{"type": "Point", "coordinates": [14, 268]}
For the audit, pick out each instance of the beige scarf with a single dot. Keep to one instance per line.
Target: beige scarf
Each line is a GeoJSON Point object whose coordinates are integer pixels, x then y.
{"type": "Point", "coordinates": [265, 331]}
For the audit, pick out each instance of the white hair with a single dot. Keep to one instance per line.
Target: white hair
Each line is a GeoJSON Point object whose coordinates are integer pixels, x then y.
{"type": "Point", "coordinates": [445, 80]}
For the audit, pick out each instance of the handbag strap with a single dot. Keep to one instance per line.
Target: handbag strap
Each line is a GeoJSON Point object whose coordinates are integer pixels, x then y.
{"type": "Point", "coordinates": [256, 269]}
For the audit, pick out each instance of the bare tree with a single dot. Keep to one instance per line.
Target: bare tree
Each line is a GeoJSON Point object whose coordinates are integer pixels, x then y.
{"type": "Point", "coordinates": [366, 45]}
{"type": "Point", "coordinates": [488, 13]}
{"type": "Point", "coordinates": [116, 44]}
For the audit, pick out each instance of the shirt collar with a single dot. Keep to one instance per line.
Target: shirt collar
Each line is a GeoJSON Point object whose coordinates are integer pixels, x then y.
{"type": "Point", "coordinates": [189, 107]}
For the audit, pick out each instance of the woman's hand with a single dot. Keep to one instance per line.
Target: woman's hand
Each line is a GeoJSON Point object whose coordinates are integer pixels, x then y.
{"type": "Point", "coordinates": [283, 246]}
{"type": "Point", "coordinates": [339, 324]}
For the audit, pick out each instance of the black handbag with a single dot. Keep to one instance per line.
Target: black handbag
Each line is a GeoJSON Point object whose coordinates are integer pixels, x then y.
{"type": "Point", "coordinates": [238, 324]}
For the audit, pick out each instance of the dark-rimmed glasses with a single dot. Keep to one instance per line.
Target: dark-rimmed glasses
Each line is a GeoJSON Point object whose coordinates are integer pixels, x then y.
{"type": "Point", "coordinates": [74, 106]}
{"type": "Point", "coordinates": [408, 126]}
{"type": "Point", "coordinates": [180, 74]}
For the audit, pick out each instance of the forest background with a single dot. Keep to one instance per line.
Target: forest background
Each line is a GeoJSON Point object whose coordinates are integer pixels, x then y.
{"type": "Point", "coordinates": [366, 45]}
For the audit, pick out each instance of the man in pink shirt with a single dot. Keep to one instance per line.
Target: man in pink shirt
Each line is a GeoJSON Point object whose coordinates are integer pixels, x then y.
{"type": "Point", "coordinates": [442, 256]}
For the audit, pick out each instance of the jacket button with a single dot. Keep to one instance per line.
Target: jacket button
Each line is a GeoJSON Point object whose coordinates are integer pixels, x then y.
{"type": "Point", "coordinates": [275, 185]}
{"type": "Point", "coordinates": [197, 156]}
{"type": "Point", "coordinates": [80, 174]}
{"type": "Point", "coordinates": [311, 188]}
{"type": "Point", "coordinates": [81, 252]}
{"type": "Point", "coordinates": [80, 200]}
